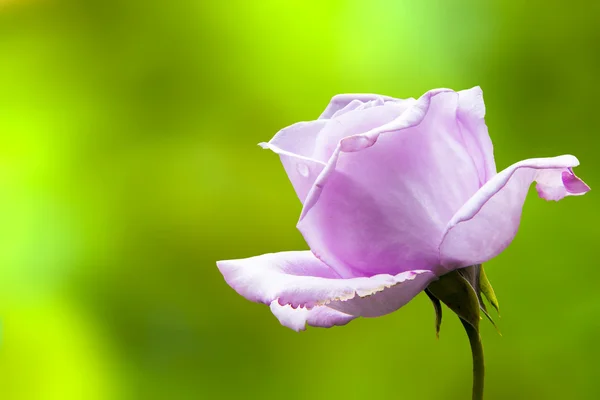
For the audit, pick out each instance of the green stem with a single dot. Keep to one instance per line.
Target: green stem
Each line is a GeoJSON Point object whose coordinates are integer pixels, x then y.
{"type": "Point", "coordinates": [478, 365]}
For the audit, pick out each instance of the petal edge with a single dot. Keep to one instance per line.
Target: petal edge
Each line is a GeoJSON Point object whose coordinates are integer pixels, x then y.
{"type": "Point", "coordinates": [299, 280]}
{"type": "Point", "coordinates": [489, 221]}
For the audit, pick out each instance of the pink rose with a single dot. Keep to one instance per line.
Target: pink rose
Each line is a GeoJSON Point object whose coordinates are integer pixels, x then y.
{"type": "Point", "coordinates": [395, 194]}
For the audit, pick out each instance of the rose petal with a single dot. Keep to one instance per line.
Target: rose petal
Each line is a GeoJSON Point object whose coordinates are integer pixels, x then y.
{"type": "Point", "coordinates": [299, 279]}
{"type": "Point", "coordinates": [340, 101]}
{"type": "Point", "coordinates": [299, 138]}
{"type": "Point", "coordinates": [573, 184]}
{"type": "Point", "coordinates": [353, 105]}
{"type": "Point", "coordinates": [295, 146]}
{"type": "Point", "coordinates": [382, 203]}
{"type": "Point", "coordinates": [318, 316]}
{"type": "Point", "coordinates": [362, 119]}
{"type": "Point", "coordinates": [471, 113]}
{"type": "Point", "coordinates": [305, 147]}
{"type": "Point", "coordinates": [489, 221]}
{"type": "Point", "coordinates": [388, 300]}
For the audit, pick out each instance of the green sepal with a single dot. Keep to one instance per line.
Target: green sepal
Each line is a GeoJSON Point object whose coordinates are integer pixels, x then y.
{"type": "Point", "coordinates": [437, 306]}
{"type": "Point", "coordinates": [455, 291]}
{"type": "Point", "coordinates": [489, 317]}
{"type": "Point", "coordinates": [488, 291]}
{"type": "Point", "coordinates": [472, 275]}
{"type": "Point", "coordinates": [475, 275]}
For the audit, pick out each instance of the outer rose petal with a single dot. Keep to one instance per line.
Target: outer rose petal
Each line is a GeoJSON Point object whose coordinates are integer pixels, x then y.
{"type": "Point", "coordinates": [299, 279]}
{"type": "Point", "coordinates": [390, 299]}
{"type": "Point", "coordinates": [319, 316]}
{"type": "Point", "coordinates": [340, 101]}
{"type": "Point", "coordinates": [471, 113]}
{"type": "Point", "coordinates": [295, 146]}
{"type": "Point", "coordinates": [382, 203]}
{"type": "Point", "coordinates": [489, 221]}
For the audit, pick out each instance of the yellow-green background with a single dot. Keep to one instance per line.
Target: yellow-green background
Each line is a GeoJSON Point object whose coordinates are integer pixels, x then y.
{"type": "Point", "coordinates": [129, 165]}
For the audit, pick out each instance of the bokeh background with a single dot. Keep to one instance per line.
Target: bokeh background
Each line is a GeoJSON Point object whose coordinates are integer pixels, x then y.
{"type": "Point", "coordinates": [129, 165]}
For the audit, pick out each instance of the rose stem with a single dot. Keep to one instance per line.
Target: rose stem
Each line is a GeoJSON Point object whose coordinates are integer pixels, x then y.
{"type": "Point", "coordinates": [478, 365]}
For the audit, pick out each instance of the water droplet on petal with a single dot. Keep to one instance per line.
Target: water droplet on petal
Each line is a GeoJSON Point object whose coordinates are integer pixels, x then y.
{"type": "Point", "coordinates": [302, 169]}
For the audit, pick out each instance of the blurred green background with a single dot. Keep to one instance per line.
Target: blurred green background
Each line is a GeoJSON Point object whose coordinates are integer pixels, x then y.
{"type": "Point", "coordinates": [129, 165]}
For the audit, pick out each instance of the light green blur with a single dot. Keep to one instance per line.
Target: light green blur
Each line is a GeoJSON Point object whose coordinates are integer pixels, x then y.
{"type": "Point", "coordinates": [129, 164]}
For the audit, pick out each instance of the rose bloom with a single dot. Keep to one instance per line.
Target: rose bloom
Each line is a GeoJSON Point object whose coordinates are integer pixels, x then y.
{"type": "Point", "coordinates": [395, 194]}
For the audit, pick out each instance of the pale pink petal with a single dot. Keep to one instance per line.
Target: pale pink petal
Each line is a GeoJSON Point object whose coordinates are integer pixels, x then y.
{"type": "Point", "coordinates": [295, 146]}
{"type": "Point", "coordinates": [341, 101]}
{"type": "Point", "coordinates": [305, 147]}
{"type": "Point", "coordinates": [489, 221]}
{"type": "Point", "coordinates": [299, 279]}
{"type": "Point", "coordinates": [471, 113]}
{"type": "Point", "coordinates": [355, 105]}
{"type": "Point", "coordinates": [382, 203]}
{"type": "Point", "coordinates": [388, 300]}
{"type": "Point", "coordinates": [318, 316]}
{"type": "Point", "coordinates": [359, 120]}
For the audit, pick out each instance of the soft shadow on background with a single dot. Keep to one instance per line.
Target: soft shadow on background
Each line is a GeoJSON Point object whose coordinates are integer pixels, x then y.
{"type": "Point", "coordinates": [129, 165]}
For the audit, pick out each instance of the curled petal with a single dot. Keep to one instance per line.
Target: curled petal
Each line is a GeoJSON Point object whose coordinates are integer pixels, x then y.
{"type": "Point", "coordinates": [362, 119]}
{"type": "Point", "coordinates": [318, 316]}
{"type": "Point", "coordinates": [342, 101]}
{"type": "Point", "coordinates": [384, 301]}
{"type": "Point", "coordinates": [382, 203]}
{"type": "Point", "coordinates": [298, 139]}
{"type": "Point", "coordinates": [295, 146]}
{"type": "Point", "coordinates": [299, 279]}
{"type": "Point", "coordinates": [489, 221]}
{"type": "Point", "coordinates": [305, 147]}
{"type": "Point", "coordinates": [356, 105]}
